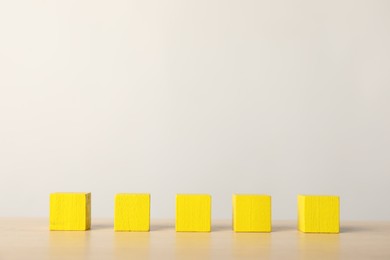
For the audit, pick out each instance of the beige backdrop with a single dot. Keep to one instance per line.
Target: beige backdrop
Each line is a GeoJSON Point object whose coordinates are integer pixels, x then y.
{"type": "Point", "coordinates": [165, 96]}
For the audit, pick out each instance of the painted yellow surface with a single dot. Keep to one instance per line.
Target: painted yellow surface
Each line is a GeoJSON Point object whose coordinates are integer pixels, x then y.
{"type": "Point", "coordinates": [132, 212]}
{"type": "Point", "coordinates": [251, 213]}
{"type": "Point", "coordinates": [193, 213]}
{"type": "Point", "coordinates": [70, 211]}
{"type": "Point", "coordinates": [318, 214]}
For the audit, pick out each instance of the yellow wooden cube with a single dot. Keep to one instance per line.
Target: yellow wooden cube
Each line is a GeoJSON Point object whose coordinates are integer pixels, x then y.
{"type": "Point", "coordinates": [251, 213]}
{"type": "Point", "coordinates": [193, 212]}
{"type": "Point", "coordinates": [132, 212]}
{"type": "Point", "coordinates": [70, 211]}
{"type": "Point", "coordinates": [318, 214]}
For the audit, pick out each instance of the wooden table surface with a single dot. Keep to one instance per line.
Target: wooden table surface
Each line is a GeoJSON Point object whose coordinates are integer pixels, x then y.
{"type": "Point", "coordinates": [30, 239]}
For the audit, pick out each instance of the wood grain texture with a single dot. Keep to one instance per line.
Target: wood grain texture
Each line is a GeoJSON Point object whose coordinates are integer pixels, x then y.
{"type": "Point", "coordinates": [28, 238]}
{"type": "Point", "coordinates": [70, 211]}
{"type": "Point", "coordinates": [251, 213]}
{"type": "Point", "coordinates": [193, 213]}
{"type": "Point", "coordinates": [318, 214]}
{"type": "Point", "coordinates": [132, 212]}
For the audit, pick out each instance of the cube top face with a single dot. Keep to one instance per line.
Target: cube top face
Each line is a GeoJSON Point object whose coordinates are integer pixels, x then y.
{"type": "Point", "coordinates": [70, 193]}
{"type": "Point", "coordinates": [250, 194]}
{"type": "Point", "coordinates": [132, 194]}
{"type": "Point", "coordinates": [132, 212]}
{"type": "Point", "coordinates": [251, 213]}
{"type": "Point", "coordinates": [193, 213]}
{"type": "Point", "coordinates": [70, 211]}
{"type": "Point", "coordinates": [318, 214]}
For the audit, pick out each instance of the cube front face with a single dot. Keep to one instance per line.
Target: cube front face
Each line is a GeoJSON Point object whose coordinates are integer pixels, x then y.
{"type": "Point", "coordinates": [132, 212]}
{"type": "Point", "coordinates": [70, 211]}
{"type": "Point", "coordinates": [193, 213]}
{"type": "Point", "coordinates": [318, 214]}
{"type": "Point", "coordinates": [251, 213]}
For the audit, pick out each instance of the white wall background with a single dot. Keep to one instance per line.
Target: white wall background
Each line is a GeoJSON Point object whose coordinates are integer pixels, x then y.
{"type": "Point", "coordinates": [173, 96]}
